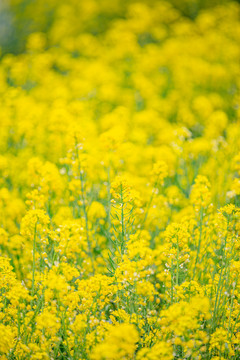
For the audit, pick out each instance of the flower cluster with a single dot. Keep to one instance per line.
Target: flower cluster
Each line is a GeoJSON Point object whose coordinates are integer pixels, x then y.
{"type": "Point", "coordinates": [119, 180]}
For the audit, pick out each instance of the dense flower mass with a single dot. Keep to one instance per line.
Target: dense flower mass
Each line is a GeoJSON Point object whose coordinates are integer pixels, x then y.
{"type": "Point", "coordinates": [119, 180]}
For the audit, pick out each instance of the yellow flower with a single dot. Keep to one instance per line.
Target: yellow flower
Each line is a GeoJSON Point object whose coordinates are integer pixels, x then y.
{"type": "Point", "coordinates": [96, 211]}
{"type": "Point", "coordinates": [7, 339]}
{"type": "Point", "coordinates": [120, 343]}
{"type": "Point", "coordinates": [161, 350]}
{"type": "Point", "coordinates": [200, 194]}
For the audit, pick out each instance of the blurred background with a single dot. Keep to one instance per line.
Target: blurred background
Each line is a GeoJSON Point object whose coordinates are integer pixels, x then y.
{"type": "Point", "coordinates": [20, 18]}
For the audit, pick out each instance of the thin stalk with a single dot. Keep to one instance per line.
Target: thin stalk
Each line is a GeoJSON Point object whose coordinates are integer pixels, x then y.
{"type": "Point", "coordinates": [220, 284]}
{"type": "Point", "coordinates": [231, 308]}
{"type": "Point", "coordinates": [199, 242]}
{"type": "Point", "coordinates": [150, 203]}
{"type": "Point", "coordinates": [177, 275]}
{"type": "Point", "coordinates": [171, 281]}
{"type": "Point", "coordinates": [122, 223]}
{"type": "Point", "coordinates": [34, 259]}
{"type": "Point", "coordinates": [84, 209]}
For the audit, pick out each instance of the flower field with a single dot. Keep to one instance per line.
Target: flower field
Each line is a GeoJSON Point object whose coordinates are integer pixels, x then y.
{"type": "Point", "coordinates": [119, 180]}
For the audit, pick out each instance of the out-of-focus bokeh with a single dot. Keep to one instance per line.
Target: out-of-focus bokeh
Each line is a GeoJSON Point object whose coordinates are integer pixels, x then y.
{"type": "Point", "coordinates": [19, 18]}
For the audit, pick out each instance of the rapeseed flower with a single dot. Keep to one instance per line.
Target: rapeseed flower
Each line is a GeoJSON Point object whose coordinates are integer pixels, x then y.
{"type": "Point", "coordinates": [119, 180]}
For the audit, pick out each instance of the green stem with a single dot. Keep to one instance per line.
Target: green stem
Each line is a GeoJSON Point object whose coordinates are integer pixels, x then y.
{"type": "Point", "coordinates": [177, 275]}
{"type": "Point", "coordinates": [122, 223]}
{"type": "Point", "coordinates": [84, 208]}
{"type": "Point", "coordinates": [171, 281]}
{"type": "Point", "coordinates": [199, 242]}
{"type": "Point", "coordinates": [34, 258]}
